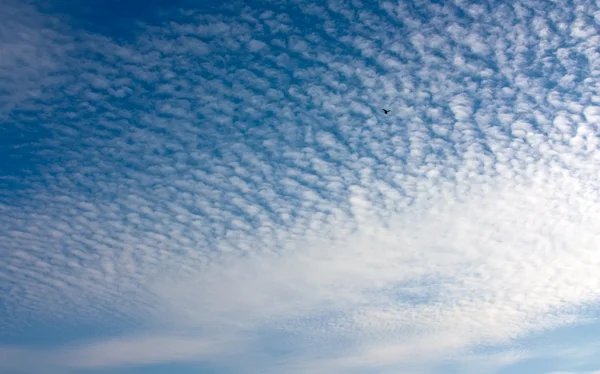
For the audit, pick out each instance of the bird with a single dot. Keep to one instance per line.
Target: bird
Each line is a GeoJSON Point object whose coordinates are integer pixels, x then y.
{"type": "Point", "coordinates": [386, 111]}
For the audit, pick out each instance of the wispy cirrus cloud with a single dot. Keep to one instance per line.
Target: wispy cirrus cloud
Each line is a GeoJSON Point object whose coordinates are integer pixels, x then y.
{"type": "Point", "coordinates": [231, 173]}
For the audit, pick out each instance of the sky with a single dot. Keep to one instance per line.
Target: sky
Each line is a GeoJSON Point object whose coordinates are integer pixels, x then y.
{"type": "Point", "coordinates": [199, 186]}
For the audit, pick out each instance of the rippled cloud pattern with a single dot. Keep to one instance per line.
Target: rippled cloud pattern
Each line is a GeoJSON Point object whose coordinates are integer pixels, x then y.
{"type": "Point", "coordinates": [215, 188]}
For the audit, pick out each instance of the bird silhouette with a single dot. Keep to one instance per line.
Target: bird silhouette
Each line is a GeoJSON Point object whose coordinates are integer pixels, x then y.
{"type": "Point", "coordinates": [386, 111]}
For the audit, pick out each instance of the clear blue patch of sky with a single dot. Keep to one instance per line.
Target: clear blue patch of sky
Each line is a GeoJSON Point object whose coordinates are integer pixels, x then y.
{"type": "Point", "coordinates": [178, 368]}
{"type": "Point", "coordinates": [114, 18]}
{"type": "Point", "coordinates": [44, 334]}
{"type": "Point", "coordinates": [547, 344]}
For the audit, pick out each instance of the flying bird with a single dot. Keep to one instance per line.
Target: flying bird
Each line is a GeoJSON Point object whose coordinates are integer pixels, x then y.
{"type": "Point", "coordinates": [386, 111]}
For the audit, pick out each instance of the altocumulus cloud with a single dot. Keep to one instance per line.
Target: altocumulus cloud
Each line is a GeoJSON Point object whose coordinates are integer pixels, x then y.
{"type": "Point", "coordinates": [225, 181]}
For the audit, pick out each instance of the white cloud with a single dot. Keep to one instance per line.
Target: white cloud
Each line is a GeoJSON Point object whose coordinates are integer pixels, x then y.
{"type": "Point", "coordinates": [256, 45]}
{"type": "Point", "coordinates": [140, 351]}
{"type": "Point", "coordinates": [117, 352]}
{"type": "Point", "coordinates": [193, 193]}
{"type": "Point", "coordinates": [34, 48]}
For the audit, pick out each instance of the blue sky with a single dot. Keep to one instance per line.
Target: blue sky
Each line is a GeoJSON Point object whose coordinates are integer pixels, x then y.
{"type": "Point", "coordinates": [197, 187]}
